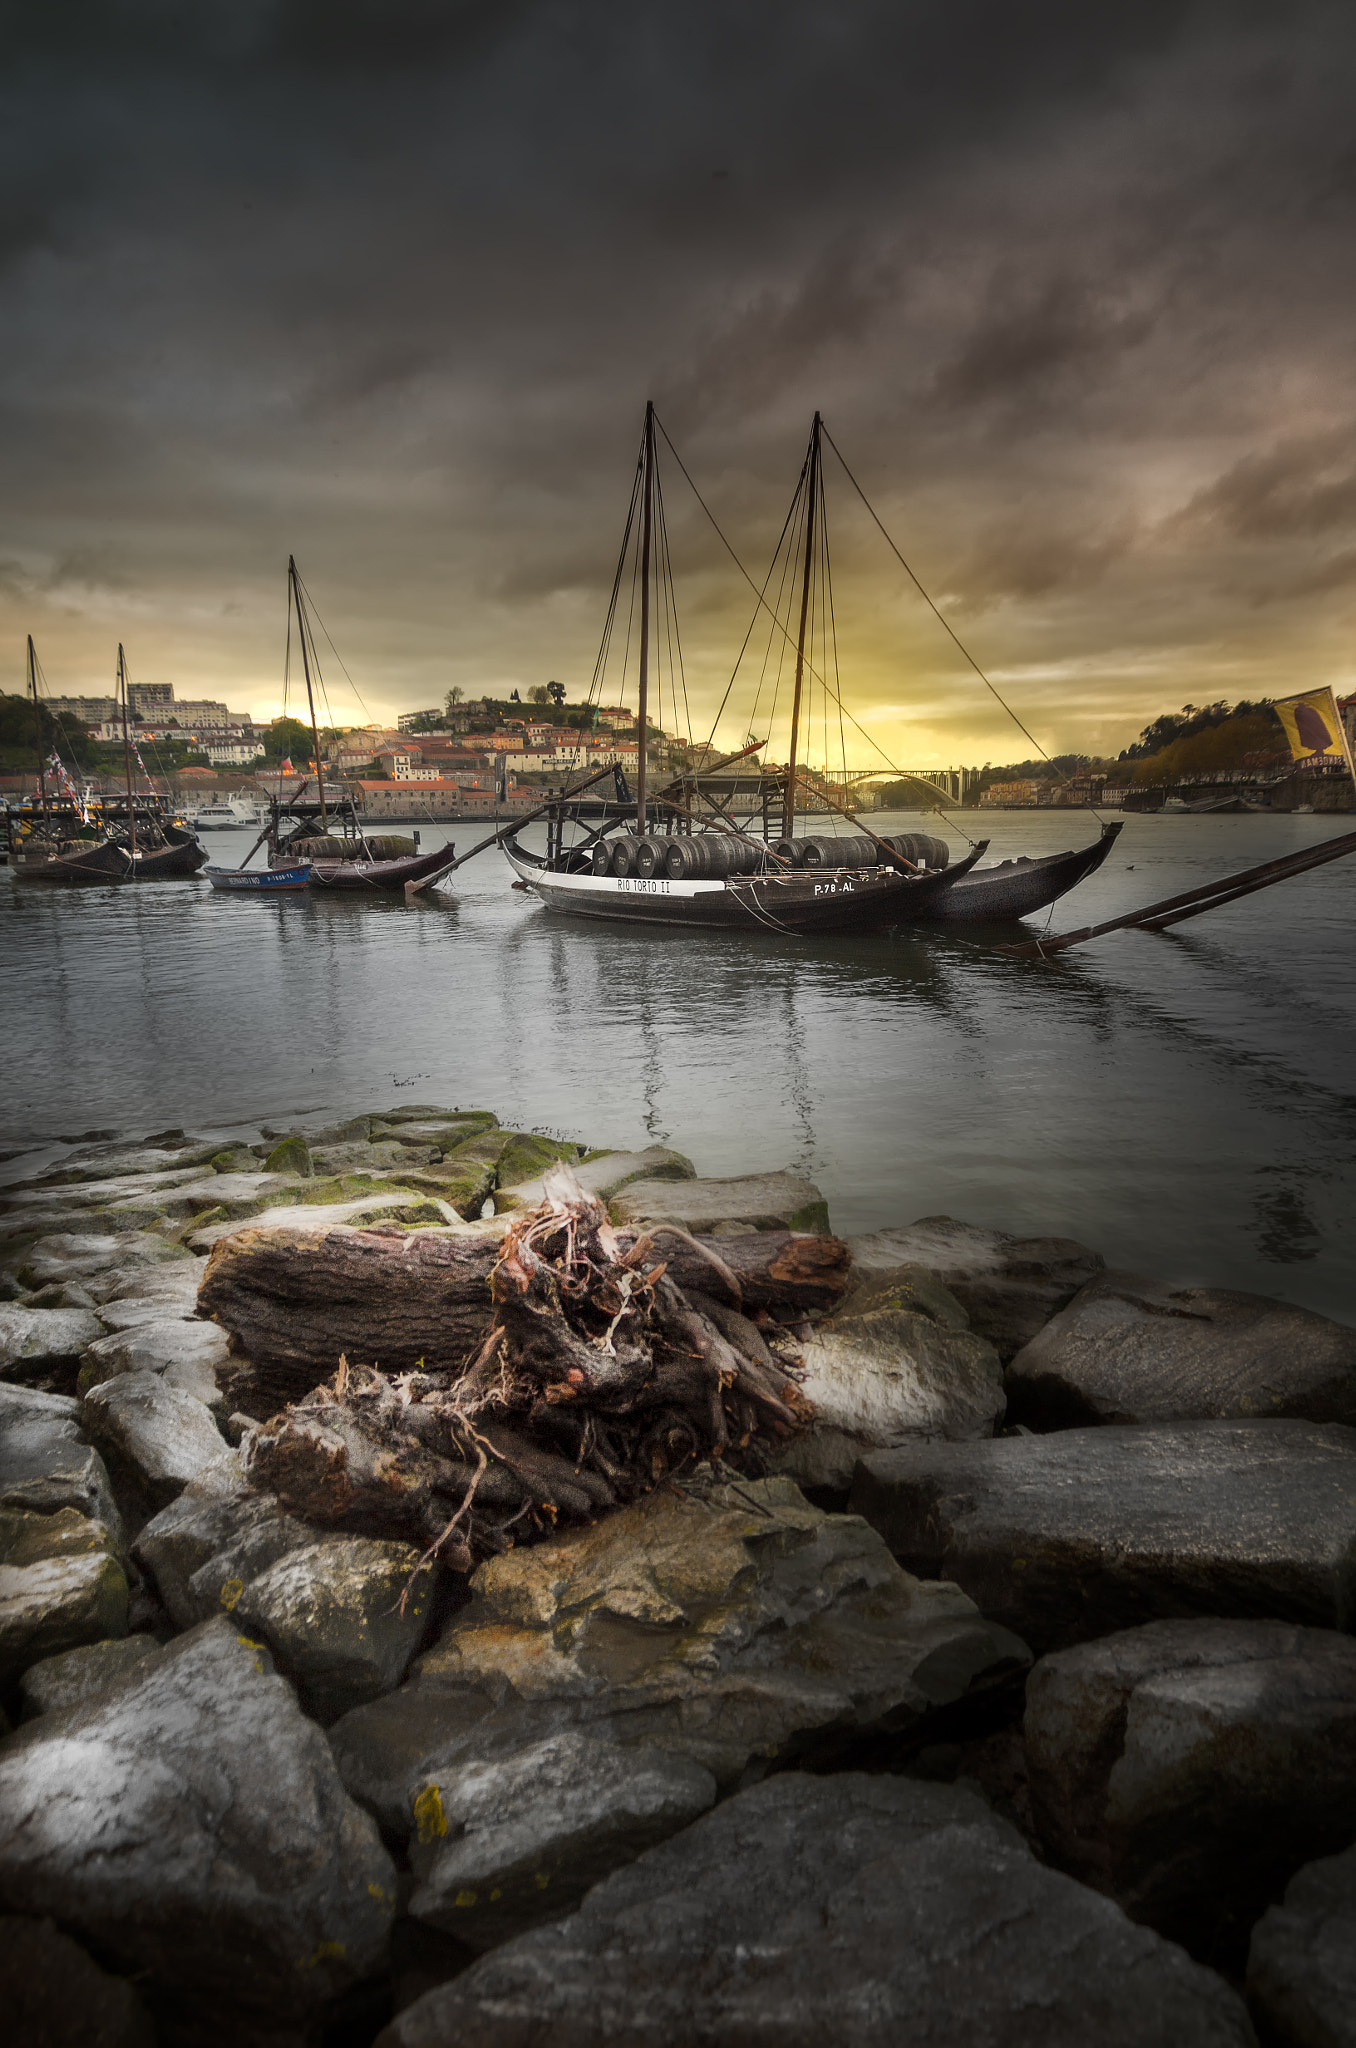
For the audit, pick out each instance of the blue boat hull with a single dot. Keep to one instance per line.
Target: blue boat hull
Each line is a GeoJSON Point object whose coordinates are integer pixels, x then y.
{"type": "Point", "coordinates": [254, 880]}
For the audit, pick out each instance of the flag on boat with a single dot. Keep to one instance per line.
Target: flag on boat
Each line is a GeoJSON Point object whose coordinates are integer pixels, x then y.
{"type": "Point", "coordinates": [1313, 727]}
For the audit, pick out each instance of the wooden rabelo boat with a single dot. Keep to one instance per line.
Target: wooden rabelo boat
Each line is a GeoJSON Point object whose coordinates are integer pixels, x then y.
{"type": "Point", "coordinates": [60, 840]}
{"type": "Point", "coordinates": [348, 860]}
{"type": "Point", "coordinates": [660, 870]}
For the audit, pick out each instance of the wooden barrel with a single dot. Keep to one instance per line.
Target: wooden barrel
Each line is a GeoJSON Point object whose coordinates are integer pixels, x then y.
{"type": "Point", "coordinates": [624, 849]}
{"type": "Point", "coordinates": [850, 850]}
{"type": "Point", "coordinates": [648, 859]}
{"type": "Point", "coordinates": [924, 849]}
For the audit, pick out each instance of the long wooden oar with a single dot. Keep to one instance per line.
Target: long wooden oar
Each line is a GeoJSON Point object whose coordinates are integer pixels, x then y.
{"type": "Point", "coordinates": [1208, 896]}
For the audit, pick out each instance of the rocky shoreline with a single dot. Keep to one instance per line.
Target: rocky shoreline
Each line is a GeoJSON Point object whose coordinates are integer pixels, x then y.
{"type": "Point", "coordinates": [1000, 1688]}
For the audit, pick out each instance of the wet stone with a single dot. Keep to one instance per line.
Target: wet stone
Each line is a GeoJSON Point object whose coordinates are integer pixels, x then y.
{"type": "Point", "coordinates": [32, 1338]}
{"type": "Point", "coordinates": [504, 1844]}
{"type": "Point", "coordinates": [901, 1365]}
{"type": "Point", "coordinates": [45, 1463]}
{"type": "Point", "coordinates": [199, 1834]}
{"type": "Point", "coordinates": [1191, 1767]}
{"type": "Point", "coordinates": [1071, 1536]}
{"type": "Point", "coordinates": [756, 1201]}
{"type": "Point", "coordinates": [154, 1436]}
{"type": "Point", "coordinates": [343, 1615]}
{"type": "Point", "coordinates": [73, 1676]}
{"type": "Point", "coordinates": [1009, 1286]}
{"type": "Point", "coordinates": [1129, 1349]}
{"type": "Point", "coordinates": [56, 1604]}
{"type": "Point", "coordinates": [869, 1910]}
{"type": "Point", "coordinates": [726, 1624]}
{"type": "Point", "coordinates": [1302, 1962]}
{"type": "Point", "coordinates": [54, 1995]}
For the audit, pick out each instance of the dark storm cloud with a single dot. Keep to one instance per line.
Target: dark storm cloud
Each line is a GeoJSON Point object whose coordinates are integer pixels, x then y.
{"type": "Point", "coordinates": [1034, 337]}
{"type": "Point", "coordinates": [389, 283]}
{"type": "Point", "coordinates": [1305, 486]}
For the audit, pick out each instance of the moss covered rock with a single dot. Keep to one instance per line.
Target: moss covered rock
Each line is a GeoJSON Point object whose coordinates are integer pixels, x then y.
{"type": "Point", "coordinates": [293, 1155]}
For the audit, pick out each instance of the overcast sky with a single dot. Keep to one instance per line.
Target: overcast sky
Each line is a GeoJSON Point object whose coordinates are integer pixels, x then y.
{"type": "Point", "coordinates": [387, 285]}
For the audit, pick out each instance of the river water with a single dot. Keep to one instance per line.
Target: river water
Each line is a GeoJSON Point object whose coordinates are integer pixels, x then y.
{"type": "Point", "coordinates": [1183, 1102]}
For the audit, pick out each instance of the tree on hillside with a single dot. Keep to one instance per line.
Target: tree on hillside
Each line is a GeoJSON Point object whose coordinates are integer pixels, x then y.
{"type": "Point", "coordinates": [453, 698]}
{"type": "Point", "coordinates": [19, 739]}
{"type": "Point", "coordinates": [287, 739]}
{"type": "Point", "coordinates": [556, 692]}
{"type": "Point", "coordinates": [539, 694]}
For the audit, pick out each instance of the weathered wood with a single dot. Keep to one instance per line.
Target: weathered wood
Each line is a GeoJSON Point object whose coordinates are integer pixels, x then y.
{"type": "Point", "coordinates": [1192, 902]}
{"type": "Point", "coordinates": [774, 1268]}
{"type": "Point", "coordinates": [579, 1376]}
{"type": "Point", "coordinates": [297, 1301]}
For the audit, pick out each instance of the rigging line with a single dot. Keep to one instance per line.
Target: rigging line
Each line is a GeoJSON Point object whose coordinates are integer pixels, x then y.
{"type": "Point", "coordinates": [941, 616]}
{"type": "Point", "coordinates": [759, 594]}
{"type": "Point", "coordinates": [833, 625]}
{"type": "Point", "coordinates": [785, 594]}
{"type": "Point", "coordinates": [601, 662]}
{"type": "Point", "coordinates": [671, 612]}
{"type": "Point", "coordinates": [738, 564]}
{"type": "Point", "coordinates": [311, 605]}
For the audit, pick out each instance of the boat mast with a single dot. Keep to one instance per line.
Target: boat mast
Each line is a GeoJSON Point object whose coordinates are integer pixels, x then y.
{"type": "Point", "coordinates": [37, 730]}
{"type": "Point", "coordinates": [642, 709]}
{"type": "Point", "coordinates": [789, 801]}
{"type": "Point", "coordinates": [295, 582]}
{"type": "Point", "coordinates": [127, 752]}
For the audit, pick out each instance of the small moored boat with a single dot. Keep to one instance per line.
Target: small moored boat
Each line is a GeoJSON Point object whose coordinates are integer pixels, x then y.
{"type": "Point", "coordinates": [259, 881]}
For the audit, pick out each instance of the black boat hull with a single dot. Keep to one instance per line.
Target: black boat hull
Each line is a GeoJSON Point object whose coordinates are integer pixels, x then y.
{"type": "Point", "coordinates": [87, 866]}
{"type": "Point", "coordinates": [365, 875]}
{"type": "Point", "coordinates": [800, 903]}
{"type": "Point", "coordinates": [824, 901]}
{"type": "Point", "coordinates": [1019, 888]}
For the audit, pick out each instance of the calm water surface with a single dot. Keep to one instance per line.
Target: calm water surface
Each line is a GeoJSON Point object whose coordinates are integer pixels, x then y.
{"type": "Point", "coordinates": [1181, 1101]}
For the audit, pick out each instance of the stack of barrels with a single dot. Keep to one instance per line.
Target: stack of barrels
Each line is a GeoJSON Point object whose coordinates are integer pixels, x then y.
{"type": "Point", "coordinates": [710, 856]}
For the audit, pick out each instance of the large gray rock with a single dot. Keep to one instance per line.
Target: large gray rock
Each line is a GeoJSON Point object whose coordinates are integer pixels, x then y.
{"type": "Point", "coordinates": [65, 1255]}
{"type": "Point", "coordinates": [865, 1912]}
{"type": "Point", "coordinates": [71, 1677]}
{"type": "Point", "coordinates": [343, 1616]}
{"type": "Point", "coordinates": [191, 1825]}
{"type": "Point", "coordinates": [176, 1284]}
{"type": "Point", "coordinates": [1302, 1962]}
{"type": "Point", "coordinates": [56, 1996]}
{"type": "Point", "coordinates": [1127, 1349]}
{"type": "Point", "coordinates": [1070, 1536]}
{"type": "Point", "coordinates": [605, 1176]}
{"type": "Point", "coordinates": [55, 1605]}
{"type": "Point", "coordinates": [727, 1623]}
{"type": "Point", "coordinates": [31, 1338]}
{"type": "Point", "coordinates": [397, 1205]}
{"type": "Point", "coordinates": [30, 1538]}
{"type": "Point", "coordinates": [358, 1157]}
{"type": "Point", "coordinates": [752, 1201]}
{"type": "Point", "coordinates": [182, 1354]}
{"type": "Point", "coordinates": [505, 1843]}
{"type": "Point", "coordinates": [1190, 1767]}
{"type": "Point", "coordinates": [209, 1545]}
{"type": "Point", "coordinates": [45, 1463]}
{"type": "Point", "coordinates": [1009, 1286]}
{"type": "Point", "coordinates": [155, 1437]}
{"type": "Point", "coordinates": [903, 1365]}
{"type": "Point", "coordinates": [135, 1311]}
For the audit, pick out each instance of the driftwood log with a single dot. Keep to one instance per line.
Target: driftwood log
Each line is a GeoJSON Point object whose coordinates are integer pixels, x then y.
{"type": "Point", "coordinates": [560, 1371]}
{"type": "Point", "coordinates": [295, 1302]}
